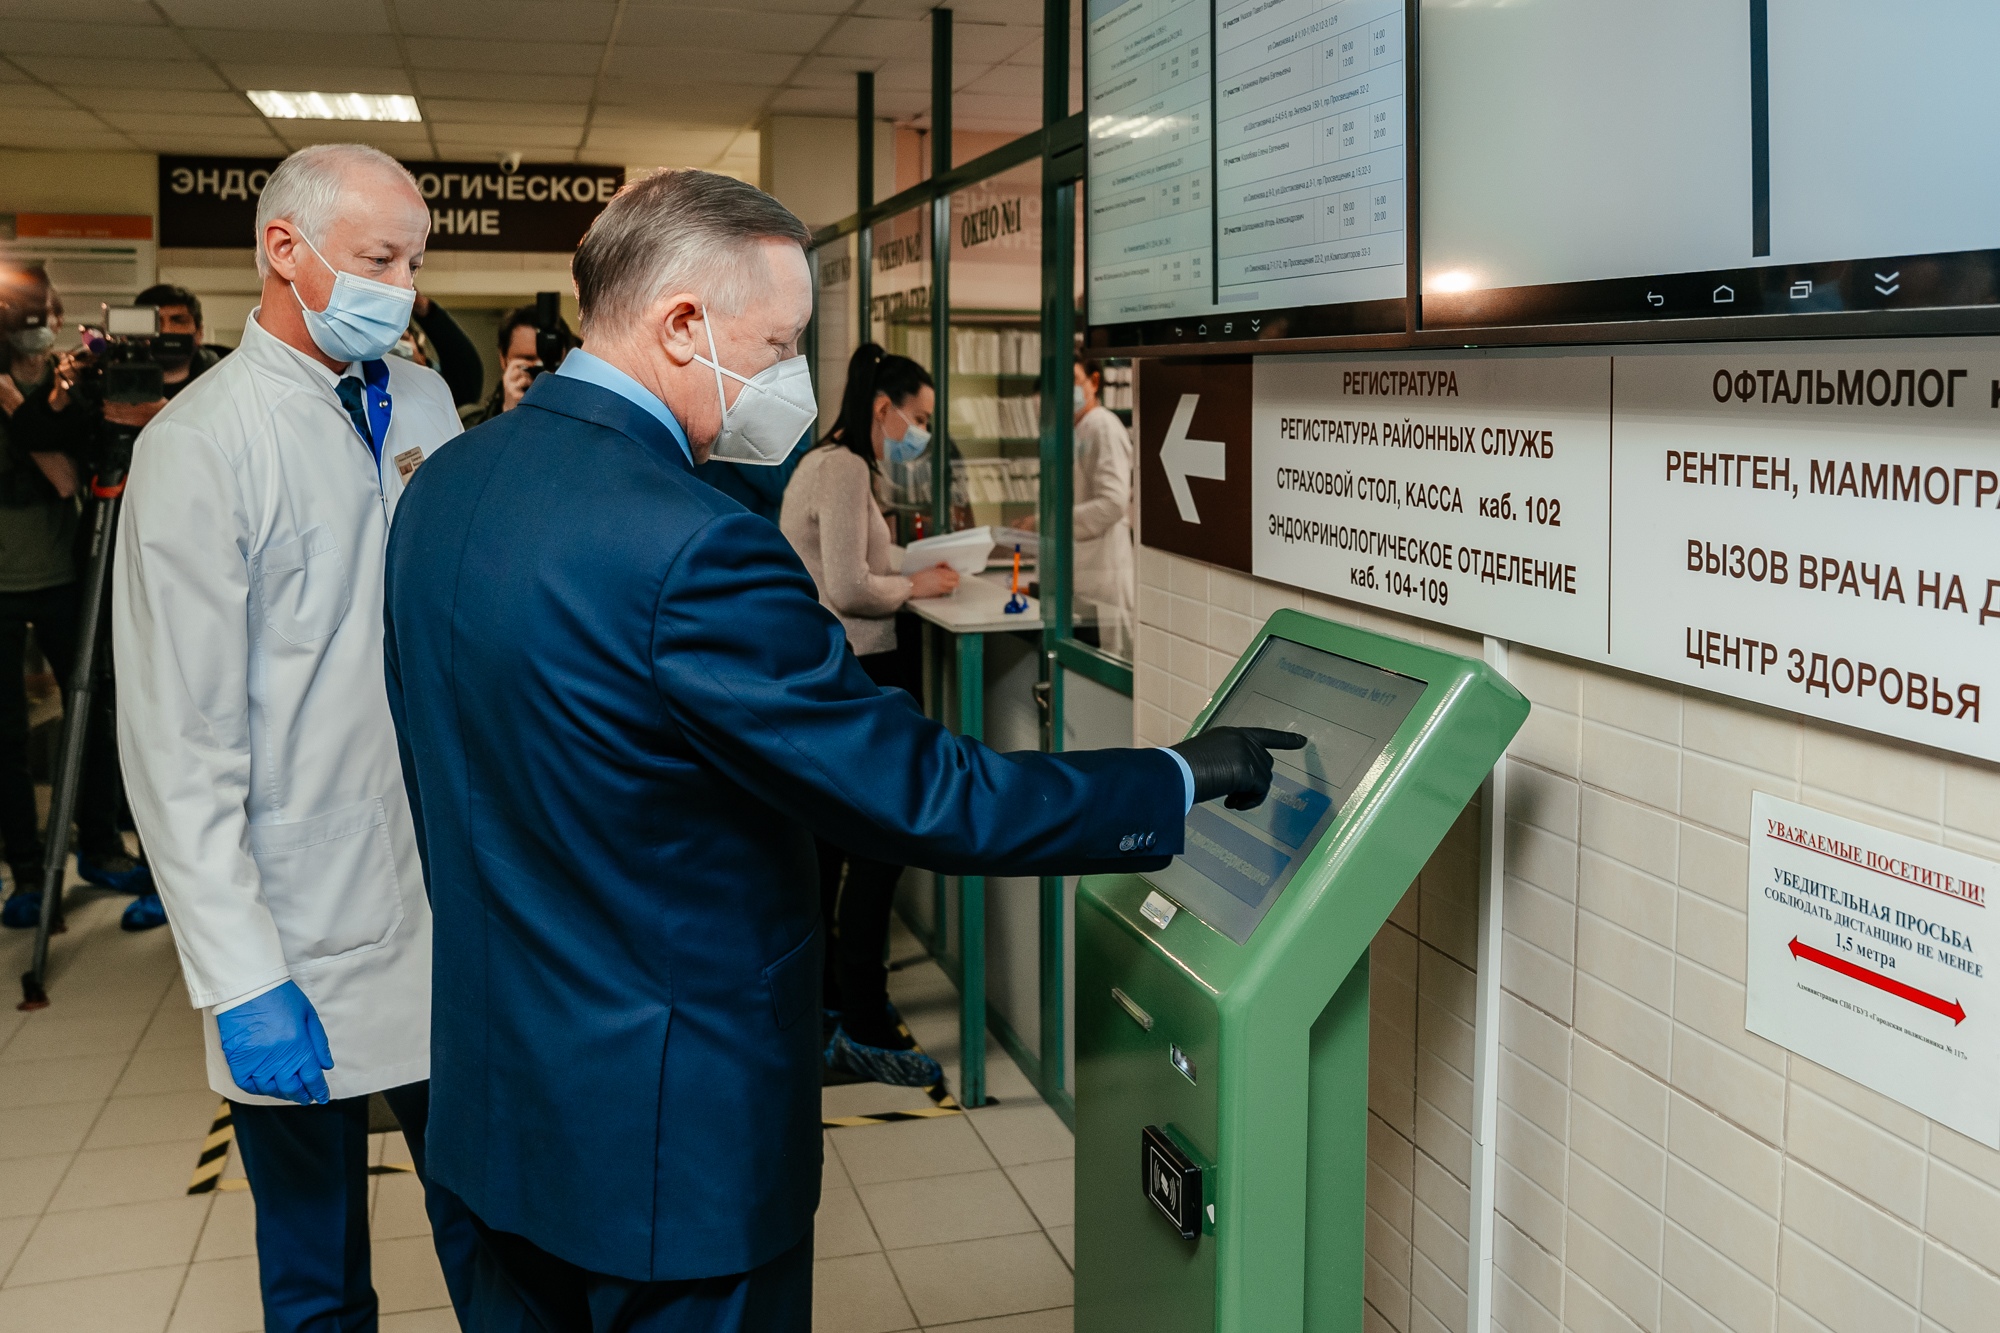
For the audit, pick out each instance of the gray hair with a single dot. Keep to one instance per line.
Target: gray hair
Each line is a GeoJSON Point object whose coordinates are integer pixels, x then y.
{"type": "Point", "coordinates": [305, 189]}
{"type": "Point", "coordinates": [677, 231]}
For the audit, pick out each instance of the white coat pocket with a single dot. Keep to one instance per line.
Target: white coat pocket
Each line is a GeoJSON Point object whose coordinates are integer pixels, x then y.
{"type": "Point", "coordinates": [329, 882]}
{"type": "Point", "coordinates": [301, 586]}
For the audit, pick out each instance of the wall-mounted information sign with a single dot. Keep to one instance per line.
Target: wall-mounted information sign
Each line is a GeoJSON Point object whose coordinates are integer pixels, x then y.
{"type": "Point", "coordinates": [1247, 169]}
{"type": "Point", "coordinates": [1867, 954]}
{"type": "Point", "coordinates": [1809, 528]}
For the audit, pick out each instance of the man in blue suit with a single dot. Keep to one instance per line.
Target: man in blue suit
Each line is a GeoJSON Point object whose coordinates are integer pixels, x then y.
{"type": "Point", "coordinates": [624, 714]}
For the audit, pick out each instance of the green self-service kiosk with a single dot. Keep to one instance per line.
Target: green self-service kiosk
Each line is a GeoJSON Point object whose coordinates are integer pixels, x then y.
{"type": "Point", "coordinates": [1222, 1003]}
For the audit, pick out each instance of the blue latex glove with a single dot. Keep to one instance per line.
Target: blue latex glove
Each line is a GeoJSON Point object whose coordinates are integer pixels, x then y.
{"type": "Point", "coordinates": [276, 1047]}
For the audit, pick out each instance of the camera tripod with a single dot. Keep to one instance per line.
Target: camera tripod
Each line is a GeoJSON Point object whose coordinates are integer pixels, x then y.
{"type": "Point", "coordinates": [108, 486]}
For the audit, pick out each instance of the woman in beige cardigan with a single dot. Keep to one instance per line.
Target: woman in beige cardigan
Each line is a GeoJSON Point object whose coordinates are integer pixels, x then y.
{"type": "Point", "coordinates": [832, 520]}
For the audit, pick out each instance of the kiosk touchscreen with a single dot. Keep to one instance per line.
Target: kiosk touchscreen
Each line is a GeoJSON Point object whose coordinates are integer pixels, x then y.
{"type": "Point", "coordinates": [1222, 1003]}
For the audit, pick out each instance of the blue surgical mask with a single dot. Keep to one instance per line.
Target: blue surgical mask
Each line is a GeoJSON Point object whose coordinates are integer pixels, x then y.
{"type": "Point", "coordinates": [910, 445]}
{"type": "Point", "coordinates": [1077, 397]}
{"type": "Point", "coordinates": [363, 318]}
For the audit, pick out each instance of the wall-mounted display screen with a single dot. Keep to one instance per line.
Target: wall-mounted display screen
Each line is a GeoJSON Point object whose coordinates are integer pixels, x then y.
{"type": "Point", "coordinates": [1237, 862]}
{"type": "Point", "coordinates": [1623, 159]}
{"type": "Point", "coordinates": [1246, 168]}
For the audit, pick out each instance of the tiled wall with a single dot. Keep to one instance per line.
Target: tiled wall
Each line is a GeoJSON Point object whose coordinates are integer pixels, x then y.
{"type": "Point", "coordinates": [1660, 1168]}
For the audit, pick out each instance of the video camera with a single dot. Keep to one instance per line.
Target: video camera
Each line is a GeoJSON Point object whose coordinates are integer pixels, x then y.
{"type": "Point", "coordinates": [125, 361]}
{"type": "Point", "coordinates": [552, 340]}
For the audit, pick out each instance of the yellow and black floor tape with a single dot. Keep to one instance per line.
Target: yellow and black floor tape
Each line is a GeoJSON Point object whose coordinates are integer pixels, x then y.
{"type": "Point", "coordinates": [942, 1104]}
{"type": "Point", "coordinates": [214, 1158]}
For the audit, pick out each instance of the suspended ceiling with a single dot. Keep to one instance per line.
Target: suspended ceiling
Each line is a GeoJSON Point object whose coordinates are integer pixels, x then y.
{"type": "Point", "coordinates": [618, 82]}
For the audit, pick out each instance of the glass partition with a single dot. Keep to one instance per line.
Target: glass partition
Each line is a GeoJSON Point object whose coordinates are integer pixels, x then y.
{"type": "Point", "coordinates": [1104, 498]}
{"type": "Point", "coordinates": [899, 318]}
{"type": "Point", "coordinates": [835, 330]}
{"type": "Point", "coordinates": [995, 357]}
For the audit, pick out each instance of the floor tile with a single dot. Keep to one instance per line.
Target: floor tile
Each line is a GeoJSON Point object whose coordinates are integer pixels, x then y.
{"type": "Point", "coordinates": [841, 1226]}
{"type": "Point", "coordinates": [870, 1099]}
{"type": "Point", "coordinates": [1064, 1239]}
{"type": "Point", "coordinates": [13, 1235]}
{"type": "Point", "coordinates": [231, 1231]}
{"type": "Point", "coordinates": [399, 1208]}
{"type": "Point", "coordinates": [421, 1321]}
{"type": "Point", "coordinates": [127, 1175]}
{"type": "Point", "coordinates": [37, 1131]}
{"type": "Point", "coordinates": [1049, 1188]}
{"type": "Point", "coordinates": [219, 1297]}
{"type": "Point", "coordinates": [395, 1150]}
{"type": "Point", "coordinates": [10, 1021]}
{"type": "Point", "coordinates": [1041, 1321]}
{"type": "Point", "coordinates": [119, 1239]}
{"type": "Point", "coordinates": [858, 1294]}
{"type": "Point", "coordinates": [157, 1117]}
{"type": "Point", "coordinates": [937, 1209]}
{"type": "Point", "coordinates": [175, 1027]}
{"type": "Point", "coordinates": [182, 1070]}
{"type": "Point", "coordinates": [50, 1036]}
{"type": "Point", "coordinates": [978, 1279]}
{"type": "Point", "coordinates": [87, 1078]}
{"type": "Point", "coordinates": [407, 1276]}
{"type": "Point", "coordinates": [28, 1183]}
{"type": "Point", "coordinates": [1019, 1134]}
{"type": "Point", "coordinates": [832, 1175]}
{"type": "Point", "coordinates": [910, 1149]}
{"type": "Point", "coordinates": [127, 1302]}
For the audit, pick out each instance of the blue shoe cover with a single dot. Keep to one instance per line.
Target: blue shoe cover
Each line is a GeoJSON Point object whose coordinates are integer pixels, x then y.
{"type": "Point", "coordinates": [904, 1069]}
{"type": "Point", "coordinates": [23, 911]}
{"type": "Point", "coordinates": [120, 874]}
{"type": "Point", "coordinates": [145, 912]}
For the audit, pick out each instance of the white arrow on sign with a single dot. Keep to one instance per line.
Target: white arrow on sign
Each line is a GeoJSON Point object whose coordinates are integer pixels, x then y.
{"type": "Point", "coordinates": [1184, 458]}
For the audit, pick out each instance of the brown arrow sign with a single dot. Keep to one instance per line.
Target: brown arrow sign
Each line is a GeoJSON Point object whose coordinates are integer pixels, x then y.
{"type": "Point", "coordinates": [1194, 459]}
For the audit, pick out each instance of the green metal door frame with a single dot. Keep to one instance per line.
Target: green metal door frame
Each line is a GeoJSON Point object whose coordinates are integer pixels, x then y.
{"type": "Point", "coordinates": [1059, 146]}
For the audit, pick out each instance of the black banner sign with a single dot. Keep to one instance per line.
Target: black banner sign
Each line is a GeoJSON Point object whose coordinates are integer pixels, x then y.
{"type": "Point", "coordinates": [212, 202]}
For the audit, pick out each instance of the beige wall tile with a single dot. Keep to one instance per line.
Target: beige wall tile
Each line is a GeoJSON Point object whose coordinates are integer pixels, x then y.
{"type": "Point", "coordinates": [1714, 866]}
{"type": "Point", "coordinates": [1705, 1209]}
{"type": "Point", "coordinates": [1958, 1296]}
{"type": "Point", "coordinates": [1535, 1095]}
{"type": "Point", "coordinates": [1550, 739]}
{"type": "Point", "coordinates": [1864, 769]}
{"type": "Point", "coordinates": [1974, 1159]}
{"type": "Point", "coordinates": [1540, 799]}
{"type": "Point", "coordinates": [1644, 770]}
{"type": "Point", "coordinates": [1633, 1097]}
{"type": "Point", "coordinates": [1632, 1223]}
{"type": "Point", "coordinates": [1617, 957]}
{"type": "Point", "coordinates": [1876, 1165]}
{"type": "Point", "coordinates": [1533, 1151]}
{"type": "Point", "coordinates": [1539, 1215]}
{"type": "Point", "coordinates": [1834, 1294]}
{"type": "Point", "coordinates": [1633, 704]}
{"type": "Point", "coordinates": [1728, 1083]}
{"type": "Point", "coordinates": [1870, 1105]}
{"type": "Point", "coordinates": [1749, 1167]}
{"type": "Point", "coordinates": [1607, 1271]}
{"type": "Point", "coordinates": [1713, 1005]}
{"type": "Point", "coordinates": [1610, 890]}
{"type": "Point", "coordinates": [1972, 795]}
{"type": "Point", "coordinates": [1636, 1031]}
{"type": "Point", "coordinates": [1706, 1291]}
{"type": "Point", "coordinates": [1857, 1234]}
{"type": "Point", "coordinates": [1964, 1213]}
{"type": "Point", "coordinates": [1741, 733]}
{"type": "Point", "coordinates": [1717, 794]}
{"type": "Point", "coordinates": [1711, 934]}
{"type": "Point", "coordinates": [1535, 1271]}
{"type": "Point", "coordinates": [1548, 681]}
{"type": "Point", "coordinates": [1635, 835]}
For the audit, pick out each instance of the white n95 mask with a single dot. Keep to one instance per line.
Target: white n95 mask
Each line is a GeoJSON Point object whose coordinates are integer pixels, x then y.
{"type": "Point", "coordinates": [773, 410]}
{"type": "Point", "coordinates": [363, 318]}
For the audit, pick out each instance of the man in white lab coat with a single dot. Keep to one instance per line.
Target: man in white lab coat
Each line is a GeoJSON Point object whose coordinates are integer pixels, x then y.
{"type": "Point", "coordinates": [255, 731]}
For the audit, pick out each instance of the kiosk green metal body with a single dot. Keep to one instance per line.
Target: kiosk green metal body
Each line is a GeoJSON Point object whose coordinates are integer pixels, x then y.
{"type": "Point", "coordinates": [1222, 1004]}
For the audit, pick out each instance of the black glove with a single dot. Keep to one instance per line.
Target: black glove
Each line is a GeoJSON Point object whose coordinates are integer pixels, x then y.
{"type": "Point", "coordinates": [1235, 762]}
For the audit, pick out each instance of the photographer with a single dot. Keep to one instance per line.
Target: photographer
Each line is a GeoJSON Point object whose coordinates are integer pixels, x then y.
{"type": "Point", "coordinates": [521, 357]}
{"type": "Point", "coordinates": [39, 485]}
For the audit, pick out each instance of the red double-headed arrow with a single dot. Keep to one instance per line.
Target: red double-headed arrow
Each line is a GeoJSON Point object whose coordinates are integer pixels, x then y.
{"type": "Point", "coordinates": [1950, 1009]}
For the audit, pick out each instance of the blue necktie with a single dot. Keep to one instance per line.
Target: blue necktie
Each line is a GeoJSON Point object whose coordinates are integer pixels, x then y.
{"type": "Point", "coordinates": [349, 389]}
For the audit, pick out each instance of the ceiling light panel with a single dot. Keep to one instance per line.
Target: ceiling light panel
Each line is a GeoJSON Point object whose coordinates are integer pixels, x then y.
{"type": "Point", "coordinates": [335, 106]}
